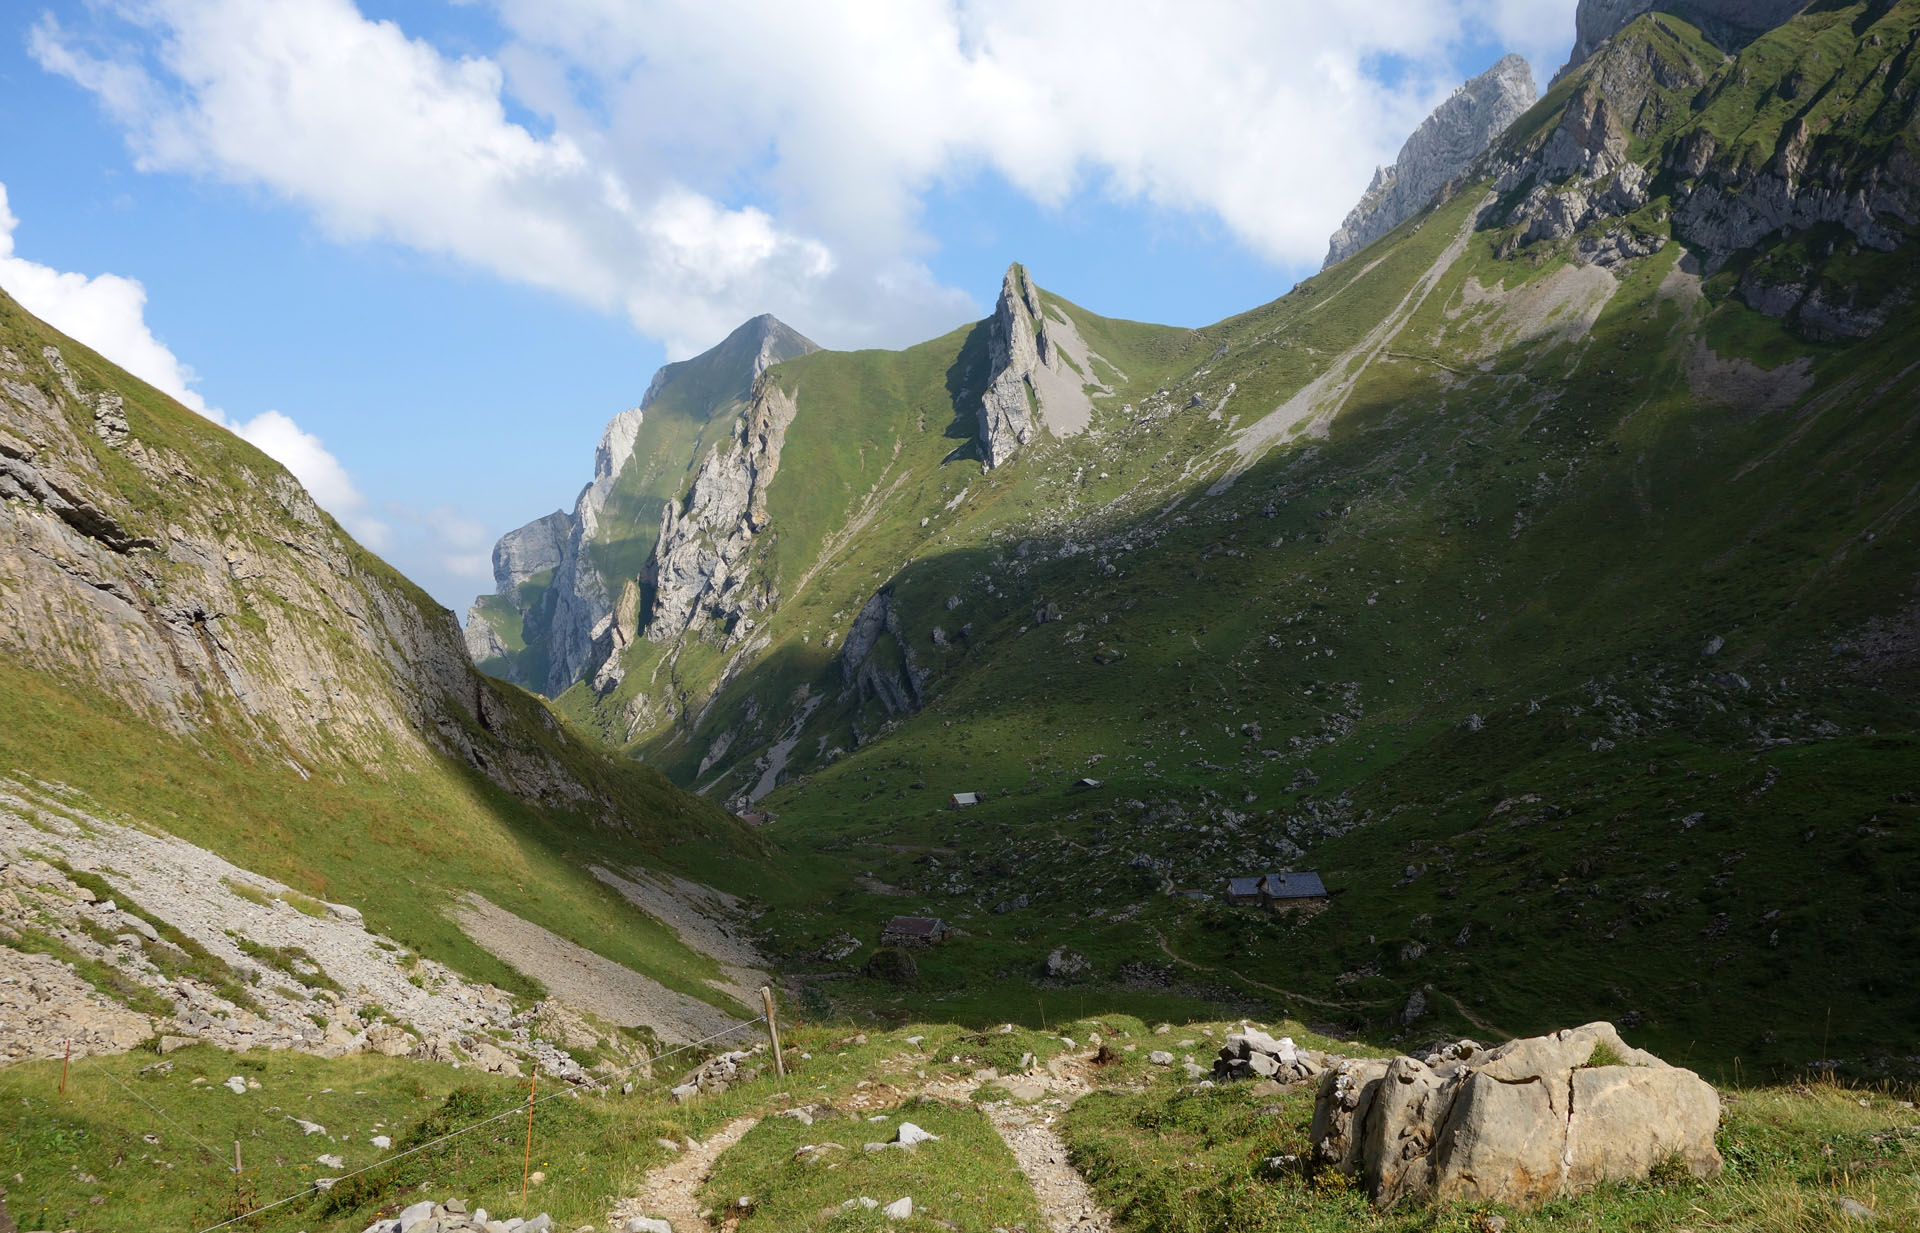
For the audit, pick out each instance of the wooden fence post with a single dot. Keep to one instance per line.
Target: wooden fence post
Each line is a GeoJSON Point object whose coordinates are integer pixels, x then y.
{"type": "Point", "coordinates": [527, 1165]}
{"type": "Point", "coordinates": [773, 1030]}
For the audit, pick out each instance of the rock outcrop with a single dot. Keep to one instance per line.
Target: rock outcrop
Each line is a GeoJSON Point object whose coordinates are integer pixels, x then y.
{"type": "Point", "coordinates": [1580, 185]}
{"type": "Point", "coordinates": [1729, 23]}
{"type": "Point", "coordinates": [897, 689]}
{"type": "Point", "coordinates": [1039, 371]}
{"type": "Point", "coordinates": [1445, 144]}
{"type": "Point", "coordinates": [1252, 1054]}
{"type": "Point", "coordinates": [567, 621]}
{"type": "Point", "coordinates": [1533, 1120]}
{"type": "Point", "coordinates": [152, 556]}
{"type": "Point", "coordinates": [699, 571]}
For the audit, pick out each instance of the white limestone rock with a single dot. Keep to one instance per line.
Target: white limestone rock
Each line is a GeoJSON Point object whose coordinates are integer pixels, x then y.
{"type": "Point", "coordinates": [1437, 152]}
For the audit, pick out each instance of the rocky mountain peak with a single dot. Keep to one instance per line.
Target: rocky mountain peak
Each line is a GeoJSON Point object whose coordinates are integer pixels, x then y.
{"type": "Point", "coordinates": [1437, 152]}
{"type": "Point", "coordinates": [1034, 379]}
{"type": "Point", "coordinates": [617, 515]}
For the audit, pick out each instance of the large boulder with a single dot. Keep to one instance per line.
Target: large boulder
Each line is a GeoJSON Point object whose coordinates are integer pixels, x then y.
{"type": "Point", "coordinates": [1530, 1121]}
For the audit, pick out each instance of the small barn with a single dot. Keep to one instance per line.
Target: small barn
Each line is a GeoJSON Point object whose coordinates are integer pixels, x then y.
{"type": "Point", "coordinates": [914, 931]}
{"type": "Point", "coordinates": [1083, 785]}
{"type": "Point", "coordinates": [1282, 891]}
{"type": "Point", "coordinates": [1244, 892]}
{"type": "Point", "coordinates": [961, 800]}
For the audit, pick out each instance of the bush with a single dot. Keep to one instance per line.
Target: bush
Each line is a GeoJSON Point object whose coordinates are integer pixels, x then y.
{"type": "Point", "coordinates": [892, 965]}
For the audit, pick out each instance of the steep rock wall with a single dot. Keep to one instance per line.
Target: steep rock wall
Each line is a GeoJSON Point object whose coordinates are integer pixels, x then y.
{"type": "Point", "coordinates": [167, 564]}
{"type": "Point", "coordinates": [1438, 151]}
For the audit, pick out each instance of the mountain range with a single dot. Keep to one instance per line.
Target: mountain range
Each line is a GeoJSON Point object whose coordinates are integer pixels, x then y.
{"type": "Point", "coordinates": [1588, 473]}
{"type": "Point", "coordinates": [1539, 573]}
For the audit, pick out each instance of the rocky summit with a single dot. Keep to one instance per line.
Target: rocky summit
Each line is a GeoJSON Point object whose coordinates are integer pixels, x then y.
{"type": "Point", "coordinates": [554, 613]}
{"type": "Point", "coordinates": [1439, 151]}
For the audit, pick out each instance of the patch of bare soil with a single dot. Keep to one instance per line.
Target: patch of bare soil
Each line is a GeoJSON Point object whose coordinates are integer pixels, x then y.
{"type": "Point", "coordinates": [706, 919]}
{"type": "Point", "coordinates": [584, 979]}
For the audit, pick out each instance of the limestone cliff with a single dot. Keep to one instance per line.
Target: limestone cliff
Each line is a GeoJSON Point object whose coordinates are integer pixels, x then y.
{"type": "Point", "coordinates": [546, 630]}
{"type": "Point", "coordinates": [699, 569]}
{"type": "Point", "coordinates": [1438, 151]}
{"type": "Point", "coordinates": [1831, 154]}
{"type": "Point", "coordinates": [151, 556]}
{"type": "Point", "coordinates": [1039, 372]}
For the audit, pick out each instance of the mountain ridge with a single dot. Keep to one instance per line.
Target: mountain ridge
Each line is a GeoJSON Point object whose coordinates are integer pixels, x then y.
{"type": "Point", "coordinates": [1436, 153]}
{"type": "Point", "coordinates": [540, 629]}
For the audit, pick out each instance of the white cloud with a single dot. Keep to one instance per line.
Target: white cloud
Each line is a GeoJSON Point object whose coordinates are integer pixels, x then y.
{"type": "Point", "coordinates": [108, 313]}
{"type": "Point", "coordinates": [707, 162]}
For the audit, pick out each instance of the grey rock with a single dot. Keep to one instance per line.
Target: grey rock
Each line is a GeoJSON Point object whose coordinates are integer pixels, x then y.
{"type": "Point", "coordinates": [414, 1215]}
{"type": "Point", "coordinates": [1064, 964]}
{"type": "Point", "coordinates": [1438, 151]}
{"type": "Point", "coordinates": [1038, 369]}
{"type": "Point", "coordinates": [1160, 1057]}
{"type": "Point", "coordinates": [898, 692]}
{"type": "Point", "coordinates": [1522, 1124]}
{"type": "Point", "coordinates": [1854, 1210]}
{"type": "Point", "coordinates": [899, 1209]}
{"type": "Point", "coordinates": [335, 661]}
{"type": "Point", "coordinates": [1729, 23]}
{"type": "Point", "coordinates": [579, 608]}
{"type": "Point", "coordinates": [646, 1224]}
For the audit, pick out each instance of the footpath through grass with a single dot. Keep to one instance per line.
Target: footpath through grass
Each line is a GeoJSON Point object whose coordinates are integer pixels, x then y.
{"type": "Point", "coordinates": [145, 1142]}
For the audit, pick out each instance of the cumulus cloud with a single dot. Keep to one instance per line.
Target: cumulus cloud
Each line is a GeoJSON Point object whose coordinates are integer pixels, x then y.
{"type": "Point", "coordinates": [699, 163]}
{"type": "Point", "coordinates": [107, 312]}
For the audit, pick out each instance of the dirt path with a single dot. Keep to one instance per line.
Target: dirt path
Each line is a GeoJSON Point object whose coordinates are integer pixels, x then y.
{"type": "Point", "coordinates": [672, 1191]}
{"type": "Point", "coordinates": [1248, 980]}
{"type": "Point", "coordinates": [1476, 1020]}
{"type": "Point", "coordinates": [1063, 1194]}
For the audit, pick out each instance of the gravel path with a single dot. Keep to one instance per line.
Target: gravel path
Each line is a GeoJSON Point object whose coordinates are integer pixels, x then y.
{"type": "Point", "coordinates": [672, 1191]}
{"type": "Point", "coordinates": [1064, 1195]}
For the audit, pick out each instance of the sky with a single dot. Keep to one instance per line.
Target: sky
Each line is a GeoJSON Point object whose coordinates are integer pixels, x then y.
{"type": "Point", "coordinates": [420, 251]}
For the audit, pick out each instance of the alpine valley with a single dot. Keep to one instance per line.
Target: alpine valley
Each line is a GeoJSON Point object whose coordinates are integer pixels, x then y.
{"type": "Point", "coordinates": [1543, 575]}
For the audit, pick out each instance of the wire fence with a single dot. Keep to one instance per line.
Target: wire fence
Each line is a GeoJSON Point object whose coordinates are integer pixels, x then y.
{"type": "Point", "coordinates": [514, 1111]}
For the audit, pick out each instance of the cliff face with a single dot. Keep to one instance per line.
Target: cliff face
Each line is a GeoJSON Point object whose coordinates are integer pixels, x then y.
{"type": "Point", "coordinates": [153, 557]}
{"type": "Point", "coordinates": [1729, 163]}
{"type": "Point", "coordinates": [1731, 24]}
{"type": "Point", "coordinates": [1437, 152]}
{"type": "Point", "coordinates": [558, 579]}
{"type": "Point", "coordinates": [1040, 370]}
{"type": "Point", "coordinates": [697, 572]}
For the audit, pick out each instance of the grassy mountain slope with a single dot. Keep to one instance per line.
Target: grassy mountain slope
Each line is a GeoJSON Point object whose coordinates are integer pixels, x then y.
{"type": "Point", "coordinates": [197, 649]}
{"type": "Point", "coordinates": [1557, 604]}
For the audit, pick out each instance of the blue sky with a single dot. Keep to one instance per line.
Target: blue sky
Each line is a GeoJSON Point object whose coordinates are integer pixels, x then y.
{"type": "Point", "coordinates": [423, 251]}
